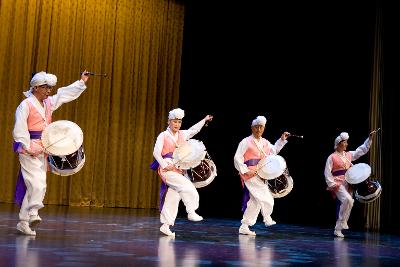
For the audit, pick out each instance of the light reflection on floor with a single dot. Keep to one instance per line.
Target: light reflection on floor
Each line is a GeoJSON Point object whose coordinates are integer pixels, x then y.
{"type": "Point", "coordinates": [70, 236]}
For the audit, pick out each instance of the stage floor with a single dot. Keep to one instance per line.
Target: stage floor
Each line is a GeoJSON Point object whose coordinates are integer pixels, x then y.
{"type": "Point", "coordinates": [73, 236]}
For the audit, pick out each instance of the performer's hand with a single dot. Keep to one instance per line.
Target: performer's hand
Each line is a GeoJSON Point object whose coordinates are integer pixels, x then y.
{"type": "Point", "coordinates": [168, 168]}
{"type": "Point", "coordinates": [34, 152]}
{"type": "Point", "coordinates": [208, 118]}
{"type": "Point", "coordinates": [251, 173]}
{"type": "Point", "coordinates": [84, 77]}
{"type": "Point", "coordinates": [285, 136]}
{"type": "Point", "coordinates": [334, 187]}
{"type": "Point", "coordinates": [372, 134]}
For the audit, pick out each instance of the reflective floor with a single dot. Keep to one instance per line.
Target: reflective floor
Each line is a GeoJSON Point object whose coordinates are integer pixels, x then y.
{"type": "Point", "coordinates": [71, 236]}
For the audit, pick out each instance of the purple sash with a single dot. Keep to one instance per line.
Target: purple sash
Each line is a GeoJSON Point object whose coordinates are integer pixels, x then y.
{"type": "Point", "coordinates": [252, 162]}
{"type": "Point", "coordinates": [35, 134]}
{"type": "Point", "coordinates": [164, 187]}
{"type": "Point", "coordinates": [20, 188]}
{"type": "Point", "coordinates": [339, 172]}
{"type": "Point", "coordinates": [246, 193]}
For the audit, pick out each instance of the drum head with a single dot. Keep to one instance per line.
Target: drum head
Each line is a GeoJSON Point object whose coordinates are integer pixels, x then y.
{"type": "Point", "coordinates": [189, 154]}
{"type": "Point", "coordinates": [62, 138]}
{"type": "Point", "coordinates": [368, 191]}
{"type": "Point", "coordinates": [357, 173]}
{"type": "Point", "coordinates": [271, 167]}
{"type": "Point", "coordinates": [203, 174]}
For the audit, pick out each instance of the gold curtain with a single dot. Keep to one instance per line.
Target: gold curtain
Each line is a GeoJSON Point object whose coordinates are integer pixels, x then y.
{"type": "Point", "coordinates": [138, 43]}
{"type": "Point", "coordinates": [372, 210]}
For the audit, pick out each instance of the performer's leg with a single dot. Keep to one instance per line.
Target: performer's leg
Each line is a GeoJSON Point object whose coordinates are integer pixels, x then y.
{"type": "Point", "coordinates": [23, 212]}
{"type": "Point", "coordinates": [263, 196]}
{"type": "Point", "coordinates": [252, 210]}
{"type": "Point", "coordinates": [33, 170]}
{"type": "Point", "coordinates": [345, 209]}
{"type": "Point", "coordinates": [187, 191]}
{"type": "Point", "coordinates": [249, 216]}
{"type": "Point", "coordinates": [170, 207]}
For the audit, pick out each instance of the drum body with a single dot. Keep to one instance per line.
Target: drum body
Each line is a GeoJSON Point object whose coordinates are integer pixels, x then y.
{"type": "Point", "coordinates": [203, 174]}
{"type": "Point", "coordinates": [367, 191]}
{"type": "Point", "coordinates": [68, 164]}
{"type": "Point", "coordinates": [282, 185]}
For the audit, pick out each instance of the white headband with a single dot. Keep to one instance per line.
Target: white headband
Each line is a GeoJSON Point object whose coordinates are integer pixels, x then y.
{"type": "Point", "coordinates": [260, 120]}
{"type": "Point", "coordinates": [41, 78]}
{"type": "Point", "coordinates": [343, 136]}
{"type": "Point", "coordinates": [176, 114]}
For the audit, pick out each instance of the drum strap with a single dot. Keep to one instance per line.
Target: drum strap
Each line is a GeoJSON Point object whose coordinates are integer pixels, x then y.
{"type": "Point", "coordinates": [344, 159]}
{"type": "Point", "coordinates": [260, 146]}
{"type": "Point", "coordinates": [172, 137]}
{"type": "Point", "coordinates": [40, 110]}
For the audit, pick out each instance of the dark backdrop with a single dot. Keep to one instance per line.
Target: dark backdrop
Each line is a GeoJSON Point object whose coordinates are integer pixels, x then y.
{"type": "Point", "coordinates": [307, 69]}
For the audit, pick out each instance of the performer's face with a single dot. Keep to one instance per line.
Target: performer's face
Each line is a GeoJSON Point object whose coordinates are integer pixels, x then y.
{"type": "Point", "coordinates": [342, 146]}
{"type": "Point", "coordinates": [257, 130]}
{"type": "Point", "coordinates": [175, 125]}
{"type": "Point", "coordinates": [42, 91]}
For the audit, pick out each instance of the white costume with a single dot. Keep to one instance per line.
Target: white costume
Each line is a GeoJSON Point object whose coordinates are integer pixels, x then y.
{"type": "Point", "coordinates": [31, 116]}
{"type": "Point", "coordinates": [248, 153]}
{"type": "Point", "coordinates": [336, 166]}
{"type": "Point", "coordinates": [179, 186]}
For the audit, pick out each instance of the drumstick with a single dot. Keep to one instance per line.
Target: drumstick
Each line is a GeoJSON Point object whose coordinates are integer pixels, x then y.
{"type": "Point", "coordinates": [375, 131]}
{"type": "Point", "coordinates": [59, 140]}
{"type": "Point", "coordinates": [94, 74]}
{"type": "Point", "coordinates": [298, 136]}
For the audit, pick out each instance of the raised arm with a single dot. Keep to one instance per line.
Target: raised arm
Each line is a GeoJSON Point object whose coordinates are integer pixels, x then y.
{"type": "Point", "coordinates": [280, 143]}
{"type": "Point", "coordinates": [192, 131]}
{"type": "Point", "coordinates": [69, 93]}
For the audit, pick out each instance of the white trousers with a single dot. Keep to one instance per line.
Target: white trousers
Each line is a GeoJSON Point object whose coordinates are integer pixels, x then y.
{"type": "Point", "coordinates": [346, 204]}
{"type": "Point", "coordinates": [180, 187]}
{"type": "Point", "coordinates": [260, 199]}
{"type": "Point", "coordinates": [34, 172]}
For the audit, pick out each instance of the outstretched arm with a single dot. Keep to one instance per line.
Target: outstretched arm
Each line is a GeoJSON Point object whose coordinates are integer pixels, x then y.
{"type": "Point", "coordinates": [281, 142]}
{"type": "Point", "coordinates": [364, 148]}
{"type": "Point", "coordinates": [69, 93]}
{"type": "Point", "coordinates": [192, 131]}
